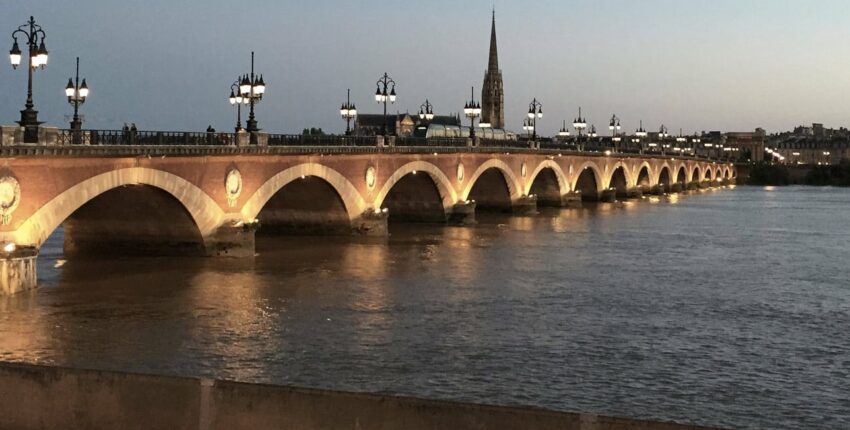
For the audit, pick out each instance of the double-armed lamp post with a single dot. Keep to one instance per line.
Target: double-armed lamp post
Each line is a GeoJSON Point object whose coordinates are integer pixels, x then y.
{"type": "Point", "coordinates": [237, 99]}
{"type": "Point", "coordinates": [580, 124]}
{"type": "Point", "coordinates": [614, 126]}
{"type": "Point", "coordinates": [385, 84]}
{"type": "Point", "coordinates": [472, 110]}
{"type": "Point", "coordinates": [348, 111]}
{"type": "Point", "coordinates": [252, 87]}
{"type": "Point", "coordinates": [33, 36]}
{"type": "Point", "coordinates": [77, 94]}
{"type": "Point", "coordinates": [426, 111]}
{"type": "Point", "coordinates": [640, 134]}
{"type": "Point", "coordinates": [535, 112]}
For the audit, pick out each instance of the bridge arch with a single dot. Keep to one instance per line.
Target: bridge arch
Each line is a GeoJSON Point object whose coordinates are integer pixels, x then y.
{"type": "Point", "coordinates": [597, 175]}
{"type": "Point", "coordinates": [627, 174]}
{"type": "Point", "coordinates": [696, 174]}
{"type": "Point", "coordinates": [643, 175]}
{"type": "Point", "coordinates": [204, 211]}
{"type": "Point", "coordinates": [548, 182]}
{"type": "Point", "coordinates": [443, 185]}
{"type": "Point", "coordinates": [681, 175]}
{"type": "Point", "coordinates": [351, 198]}
{"type": "Point", "coordinates": [514, 187]}
{"type": "Point", "coordinates": [664, 176]}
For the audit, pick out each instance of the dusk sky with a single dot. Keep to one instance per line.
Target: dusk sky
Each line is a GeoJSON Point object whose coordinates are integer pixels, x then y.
{"type": "Point", "coordinates": [730, 65]}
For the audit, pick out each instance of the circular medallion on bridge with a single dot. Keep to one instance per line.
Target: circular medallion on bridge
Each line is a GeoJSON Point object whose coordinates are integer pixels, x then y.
{"type": "Point", "coordinates": [233, 186]}
{"type": "Point", "coordinates": [523, 169]}
{"type": "Point", "coordinates": [10, 197]}
{"type": "Point", "coordinates": [460, 172]}
{"type": "Point", "coordinates": [370, 177]}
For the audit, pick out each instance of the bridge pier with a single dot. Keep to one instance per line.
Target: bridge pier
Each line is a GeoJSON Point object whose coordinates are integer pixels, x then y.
{"type": "Point", "coordinates": [17, 269]}
{"type": "Point", "coordinates": [571, 200]}
{"type": "Point", "coordinates": [463, 213]}
{"type": "Point", "coordinates": [608, 196]}
{"type": "Point", "coordinates": [373, 222]}
{"type": "Point", "coordinates": [235, 240]}
{"type": "Point", "coordinates": [658, 190]}
{"type": "Point", "coordinates": [693, 185]}
{"type": "Point", "coordinates": [525, 205]}
{"type": "Point", "coordinates": [635, 193]}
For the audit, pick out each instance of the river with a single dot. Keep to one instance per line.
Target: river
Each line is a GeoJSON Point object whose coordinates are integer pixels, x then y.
{"type": "Point", "coordinates": [728, 307]}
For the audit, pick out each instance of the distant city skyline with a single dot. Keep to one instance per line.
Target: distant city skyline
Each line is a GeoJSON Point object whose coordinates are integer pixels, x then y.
{"type": "Point", "coordinates": [724, 65]}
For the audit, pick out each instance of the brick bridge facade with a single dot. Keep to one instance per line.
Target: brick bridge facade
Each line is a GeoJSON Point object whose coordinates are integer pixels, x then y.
{"type": "Point", "coordinates": [211, 200]}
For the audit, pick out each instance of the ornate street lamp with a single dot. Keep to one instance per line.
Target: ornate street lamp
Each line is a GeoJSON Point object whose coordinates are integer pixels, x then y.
{"type": "Point", "coordinates": [591, 136]}
{"type": "Point", "coordinates": [252, 87]}
{"type": "Point", "coordinates": [348, 111]}
{"type": "Point", "coordinates": [77, 94]}
{"type": "Point", "coordinates": [528, 126]}
{"type": "Point", "coordinates": [426, 111]}
{"type": "Point", "coordinates": [640, 133]}
{"type": "Point", "coordinates": [579, 124]}
{"type": "Point", "coordinates": [37, 53]}
{"type": "Point", "coordinates": [472, 110]}
{"type": "Point", "coordinates": [384, 84]}
{"type": "Point", "coordinates": [535, 112]}
{"type": "Point", "coordinates": [680, 142]}
{"type": "Point", "coordinates": [564, 132]}
{"type": "Point", "coordinates": [237, 99]}
{"type": "Point", "coordinates": [662, 137]}
{"type": "Point", "coordinates": [614, 126]}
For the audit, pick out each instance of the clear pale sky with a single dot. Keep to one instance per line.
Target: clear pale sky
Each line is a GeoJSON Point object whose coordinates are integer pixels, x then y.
{"type": "Point", "coordinates": [691, 64]}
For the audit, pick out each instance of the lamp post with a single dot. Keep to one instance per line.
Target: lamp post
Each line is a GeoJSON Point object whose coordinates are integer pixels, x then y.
{"type": "Point", "coordinates": [564, 132]}
{"type": "Point", "coordinates": [527, 126]}
{"type": "Point", "coordinates": [37, 53]}
{"type": "Point", "coordinates": [614, 126]}
{"type": "Point", "coordinates": [237, 99]}
{"type": "Point", "coordinates": [77, 95]}
{"type": "Point", "coordinates": [640, 133]}
{"type": "Point", "coordinates": [381, 95]}
{"type": "Point", "coordinates": [591, 135]}
{"type": "Point", "coordinates": [348, 111]}
{"type": "Point", "coordinates": [579, 124]}
{"type": "Point", "coordinates": [426, 111]}
{"type": "Point", "coordinates": [680, 143]}
{"type": "Point", "coordinates": [662, 137]}
{"type": "Point", "coordinates": [535, 112]}
{"type": "Point", "coordinates": [472, 110]}
{"type": "Point", "coordinates": [252, 87]}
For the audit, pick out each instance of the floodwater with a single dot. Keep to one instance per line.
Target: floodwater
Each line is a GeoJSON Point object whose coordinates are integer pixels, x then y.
{"type": "Point", "coordinates": [727, 307]}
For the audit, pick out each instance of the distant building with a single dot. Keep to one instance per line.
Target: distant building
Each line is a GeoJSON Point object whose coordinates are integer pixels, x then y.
{"type": "Point", "coordinates": [812, 145]}
{"type": "Point", "coordinates": [401, 124]}
{"type": "Point", "coordinates": [493, 90]}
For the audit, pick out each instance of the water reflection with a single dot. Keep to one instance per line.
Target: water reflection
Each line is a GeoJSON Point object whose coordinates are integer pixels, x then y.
{"type": "Point", "coordinates": [656, 308]}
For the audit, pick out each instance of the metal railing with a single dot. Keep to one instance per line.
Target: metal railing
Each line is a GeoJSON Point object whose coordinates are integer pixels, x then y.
{"type": "Point", "coordinates": [318, 140]}
{"type": "Point", "coordinates": [290, 143]}
{"type": "Point", "coordinates": [147, 138]}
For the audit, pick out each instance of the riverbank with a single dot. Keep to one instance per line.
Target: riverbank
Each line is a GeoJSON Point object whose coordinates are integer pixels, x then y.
{"type": "Point", "coordinates": [837, 175]}
{"type": "Point", "coordinates": [41, 397]}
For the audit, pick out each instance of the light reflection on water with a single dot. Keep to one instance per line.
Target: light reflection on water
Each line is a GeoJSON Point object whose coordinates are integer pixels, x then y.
{"type": "Point", "coordinates": [720, 308]}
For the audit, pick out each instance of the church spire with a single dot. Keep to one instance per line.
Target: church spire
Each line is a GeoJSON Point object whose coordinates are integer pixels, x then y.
{"type": "Point", "coordinates": [492, 91]}
{"type": "Point", "coordinates": [494, 55]}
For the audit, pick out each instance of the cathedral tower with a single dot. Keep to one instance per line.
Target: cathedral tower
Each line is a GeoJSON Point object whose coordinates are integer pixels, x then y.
{"type": "Point", "coordinates": [493, 92]}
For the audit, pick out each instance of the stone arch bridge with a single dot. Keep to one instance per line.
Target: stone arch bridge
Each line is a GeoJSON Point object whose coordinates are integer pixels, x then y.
{"type": "Point", "coordinates": [209, 200]}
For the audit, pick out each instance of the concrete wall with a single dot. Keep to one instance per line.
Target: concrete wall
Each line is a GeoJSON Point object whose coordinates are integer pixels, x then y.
{"type": "Point", "coordinates": [37, 397]}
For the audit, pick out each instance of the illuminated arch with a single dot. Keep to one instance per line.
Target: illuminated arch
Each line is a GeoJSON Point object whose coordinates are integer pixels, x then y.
{"type": "Point", "coordinates": [514, 187]}
{"type": "Point", "coordinates": [600, 178]}
{"type": "Point", "coordinates": [205, 212]}
{"type": "Point", "coordinates": [351, 198]}
{"type": "Point", "coordinates": [630, 179]}
{"type": "Point", "coordinates": [563, 183]}
{"type": "Point", "coordinates": [441, 181]}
